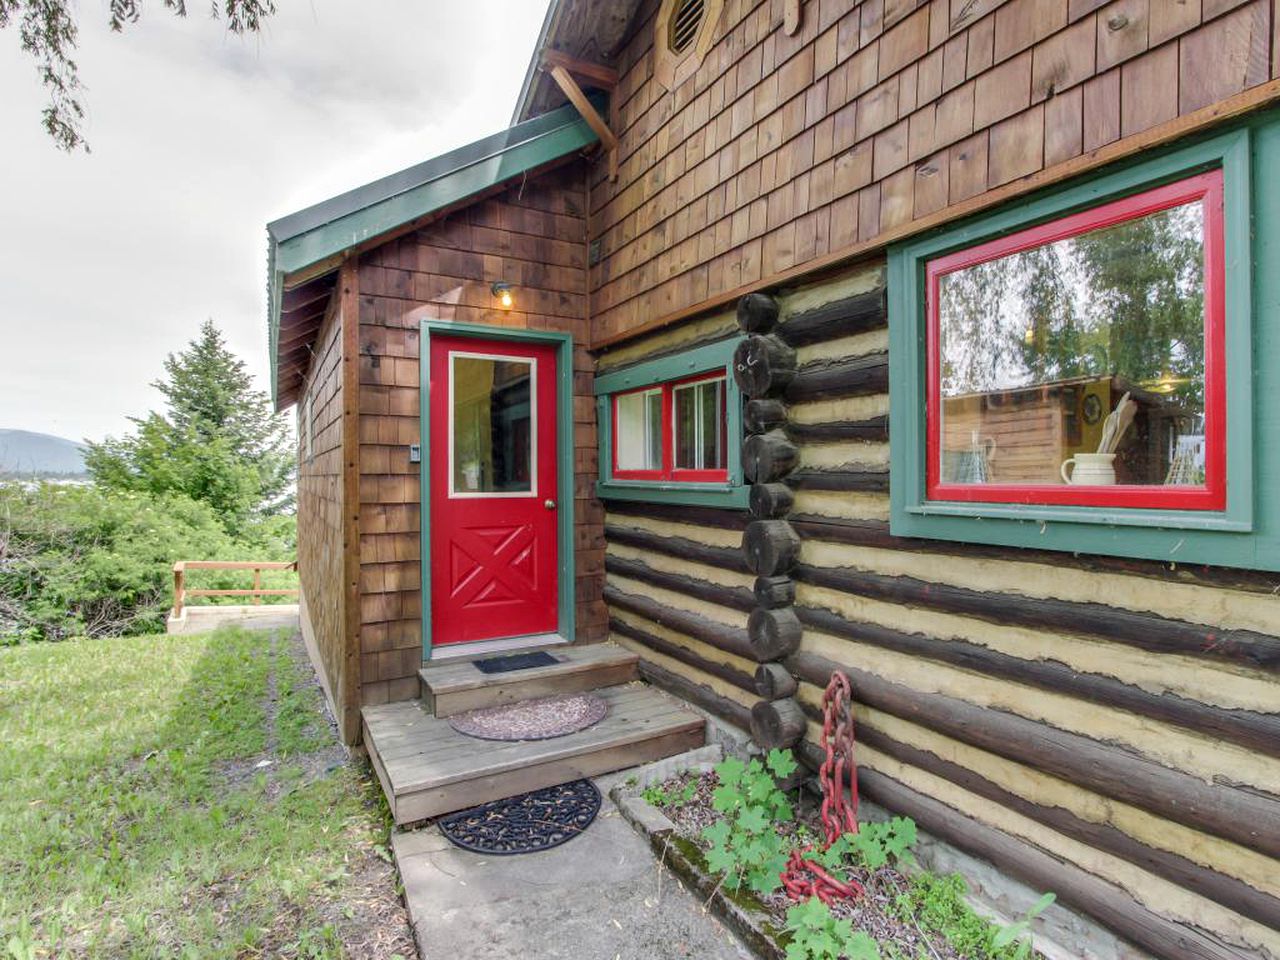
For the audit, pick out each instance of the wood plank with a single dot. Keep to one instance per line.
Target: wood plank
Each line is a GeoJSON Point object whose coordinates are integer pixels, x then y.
{"type": "Point", "coordinates": [875, 533]}
{"type": "Point", "coordinates": [427, 768]}
{"type": "Point", "coordinates": [453, 676]}
{"type": "Point", "coordinates": [349, 314]}
{"type": "Point", "coordinates": [408, 758]}
{"type": "Point", "coordinates": [409, 734]}
{"type": "Point", "coordinates": [573, 677]}
{"type": "Point", "coordinates": [597, 73]}
{"type": "Point", "coordinates": [675, 651]}
{"type": "Point", "coordinates": [1146, 631]}
{"type": "Point", "coordinates": [711, 632]}
{"type": "Point", "coordinates": [432, 802]}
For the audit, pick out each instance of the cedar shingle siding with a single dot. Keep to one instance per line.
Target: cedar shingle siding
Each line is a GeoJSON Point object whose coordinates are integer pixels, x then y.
{"type": "Point", "coordinates": [782, 149]}
{"type": "Point", "coordinates": [534, 236]}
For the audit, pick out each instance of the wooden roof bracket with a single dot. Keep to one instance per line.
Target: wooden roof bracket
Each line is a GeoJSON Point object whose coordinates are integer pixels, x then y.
{"type": "Point", "coordinates": [791, 17]}
{"type": "Point", "coordinates": [561, 66]}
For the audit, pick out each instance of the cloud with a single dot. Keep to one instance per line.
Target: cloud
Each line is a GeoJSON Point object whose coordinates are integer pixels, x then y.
{"type": "Point", "coordinates": [110, 261]}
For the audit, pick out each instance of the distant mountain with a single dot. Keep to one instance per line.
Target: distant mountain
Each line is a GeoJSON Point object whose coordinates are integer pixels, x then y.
{"type": "Point", "coordinates": [24, 452]}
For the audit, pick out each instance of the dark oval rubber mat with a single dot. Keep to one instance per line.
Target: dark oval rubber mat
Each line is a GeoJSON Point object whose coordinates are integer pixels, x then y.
{"type": "Point", "coordinates": [525, 824]}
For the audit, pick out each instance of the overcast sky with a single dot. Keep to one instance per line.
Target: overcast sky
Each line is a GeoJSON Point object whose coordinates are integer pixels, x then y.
{"type": "Point", "coordinates": [109, 261]}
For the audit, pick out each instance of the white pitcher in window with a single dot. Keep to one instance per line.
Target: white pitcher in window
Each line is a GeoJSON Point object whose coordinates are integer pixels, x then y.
{"type": "Point", "coordinates": [1090, 470]}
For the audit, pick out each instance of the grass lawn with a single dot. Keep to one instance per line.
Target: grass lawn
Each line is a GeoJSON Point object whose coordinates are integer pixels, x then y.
{"type": "Point", "coordinates": [185, 797]}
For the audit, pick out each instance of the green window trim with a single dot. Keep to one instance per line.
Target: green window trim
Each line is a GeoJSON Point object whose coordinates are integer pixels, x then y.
{"type": "Point", "coordinates": [1244, 534]}
{"type": "Point", "coordinates": [731, 494]}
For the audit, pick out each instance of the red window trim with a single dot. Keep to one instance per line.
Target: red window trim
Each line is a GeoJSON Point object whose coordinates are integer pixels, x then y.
{"type": "Point", "coordinates": [668, 472]}
{"type": "Point", "coordinates": [1212, 495]}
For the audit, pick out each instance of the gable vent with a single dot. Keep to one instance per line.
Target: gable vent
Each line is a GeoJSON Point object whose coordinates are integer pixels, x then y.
{"type": "Point", "coordinates": [685, 23]}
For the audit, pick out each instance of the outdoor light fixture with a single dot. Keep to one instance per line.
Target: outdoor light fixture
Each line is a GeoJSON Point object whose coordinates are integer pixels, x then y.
{"type": "Point", "coordinates": [502, 290]}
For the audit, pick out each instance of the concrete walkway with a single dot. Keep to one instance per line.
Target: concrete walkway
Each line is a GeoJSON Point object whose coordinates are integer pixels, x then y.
{"type": "Point", "coordinates": [601, 896]}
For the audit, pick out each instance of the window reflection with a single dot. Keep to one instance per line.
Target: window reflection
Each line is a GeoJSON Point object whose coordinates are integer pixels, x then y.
{"type": "Point", "coordinates": [492, 425]}
{"type": "Point", "coordinates": [699, 417]}
{"type": "Point", "coordinates": [639, 430]}
{"type": "Point", "coordinates": [1041, 348]}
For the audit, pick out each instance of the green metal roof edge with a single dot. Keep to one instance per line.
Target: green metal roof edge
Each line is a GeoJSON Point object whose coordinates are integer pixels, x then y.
{"type": "Point", "coordinates": [329, 228]}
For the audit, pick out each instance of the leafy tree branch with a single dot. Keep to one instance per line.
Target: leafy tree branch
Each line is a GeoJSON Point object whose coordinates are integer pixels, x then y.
{"type": "Point", "coordinates": [48, 31]}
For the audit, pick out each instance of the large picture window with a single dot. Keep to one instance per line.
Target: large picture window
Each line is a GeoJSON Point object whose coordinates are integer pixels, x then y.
{"type": "Point", "coordinates": [1084, 369]}
{"type": "Point", "coordinates": [1081, 361]}
{"type": "Point", "coordinates": [671, 430]}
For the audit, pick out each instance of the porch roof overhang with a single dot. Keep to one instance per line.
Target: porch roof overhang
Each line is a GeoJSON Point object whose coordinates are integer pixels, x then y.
{"type": "Point", "coordinates": [592, 31]}
{"type": "Point", "coordinates": [304, 249]}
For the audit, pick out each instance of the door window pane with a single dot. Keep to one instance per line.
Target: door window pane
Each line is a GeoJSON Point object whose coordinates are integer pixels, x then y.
{"type": "Point", "coordinates": [1078, 361]}
{"type": "Point", "coordinates": [638, 430]}
{"type": "Point", "coordinates": [492, 420]}
{"type": "Point", "coordinates": [699, 425]}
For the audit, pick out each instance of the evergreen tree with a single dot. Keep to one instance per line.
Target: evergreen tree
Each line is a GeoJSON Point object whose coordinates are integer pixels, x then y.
{"type": "Point", "coordinates": [219, 442]}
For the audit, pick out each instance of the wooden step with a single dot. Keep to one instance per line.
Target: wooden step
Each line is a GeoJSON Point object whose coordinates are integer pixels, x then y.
{"type": "Point", "coordinates": [454, 686]}
{"type": "Point", "coordinates": [428, 769]}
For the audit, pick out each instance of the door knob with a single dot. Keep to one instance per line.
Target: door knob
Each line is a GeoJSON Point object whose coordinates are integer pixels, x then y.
{"type": "Point", "coordinates": [549, 504]}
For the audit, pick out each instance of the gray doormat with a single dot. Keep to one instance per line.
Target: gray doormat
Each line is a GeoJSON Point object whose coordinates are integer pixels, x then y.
{"type": "Point", "coordinates": [515, 661]}
{"type": "Point", "coordinates": [541, 719]}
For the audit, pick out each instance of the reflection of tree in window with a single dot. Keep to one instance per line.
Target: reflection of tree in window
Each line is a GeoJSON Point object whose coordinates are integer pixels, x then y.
{"type": "Point", "coordinates": [1114, 309]}
{"type": "Point", "coordinates": [492, 429]}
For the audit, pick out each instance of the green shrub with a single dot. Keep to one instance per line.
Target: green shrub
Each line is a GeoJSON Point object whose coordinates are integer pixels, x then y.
{"type": "Point", "coordinates": [745, 845]}
{"type": "Point", "coordinates": [77, 560]}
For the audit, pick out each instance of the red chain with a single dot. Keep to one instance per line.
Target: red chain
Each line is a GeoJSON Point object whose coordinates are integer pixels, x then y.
{"type": "Point", "coordinates": [804, 878]}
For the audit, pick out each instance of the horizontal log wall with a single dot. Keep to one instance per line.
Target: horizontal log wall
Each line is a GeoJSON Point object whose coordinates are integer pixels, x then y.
{"type": "Point", "coordinates": [532, 236]}
{"type": "Point", "coordinates": [1107, 729]}
{"type": "Point", "coordinates": [878, 117]}
{"type": "Point", "coordinates": [677, 586]}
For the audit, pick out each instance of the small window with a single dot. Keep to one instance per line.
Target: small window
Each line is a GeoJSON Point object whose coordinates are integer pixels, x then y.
{"type": "Point", "coordinates": [670, 430]}
{"type": "Point", "coordinates": [492, 448]}
{"type": "Point", "coordinates": [1081, 361]}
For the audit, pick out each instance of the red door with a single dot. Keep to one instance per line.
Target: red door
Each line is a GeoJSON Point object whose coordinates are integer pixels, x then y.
{"type": "Point", "coordinates": [492, 469]}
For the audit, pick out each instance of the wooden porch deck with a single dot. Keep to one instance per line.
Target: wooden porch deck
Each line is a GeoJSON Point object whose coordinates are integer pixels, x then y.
{"type": "Point", "coordinates": [427, 768]}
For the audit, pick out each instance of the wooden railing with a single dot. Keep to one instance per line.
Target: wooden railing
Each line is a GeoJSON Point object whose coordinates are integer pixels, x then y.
{"type": "Point", "coordinates": [181, 593]}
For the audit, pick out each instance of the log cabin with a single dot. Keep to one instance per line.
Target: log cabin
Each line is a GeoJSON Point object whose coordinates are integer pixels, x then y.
{"type": "Point", "coordinates": [711, 358]}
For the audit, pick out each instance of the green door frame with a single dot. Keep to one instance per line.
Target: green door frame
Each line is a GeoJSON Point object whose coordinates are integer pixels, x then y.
{"type": "Point", "coordinates": [564, 458]}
